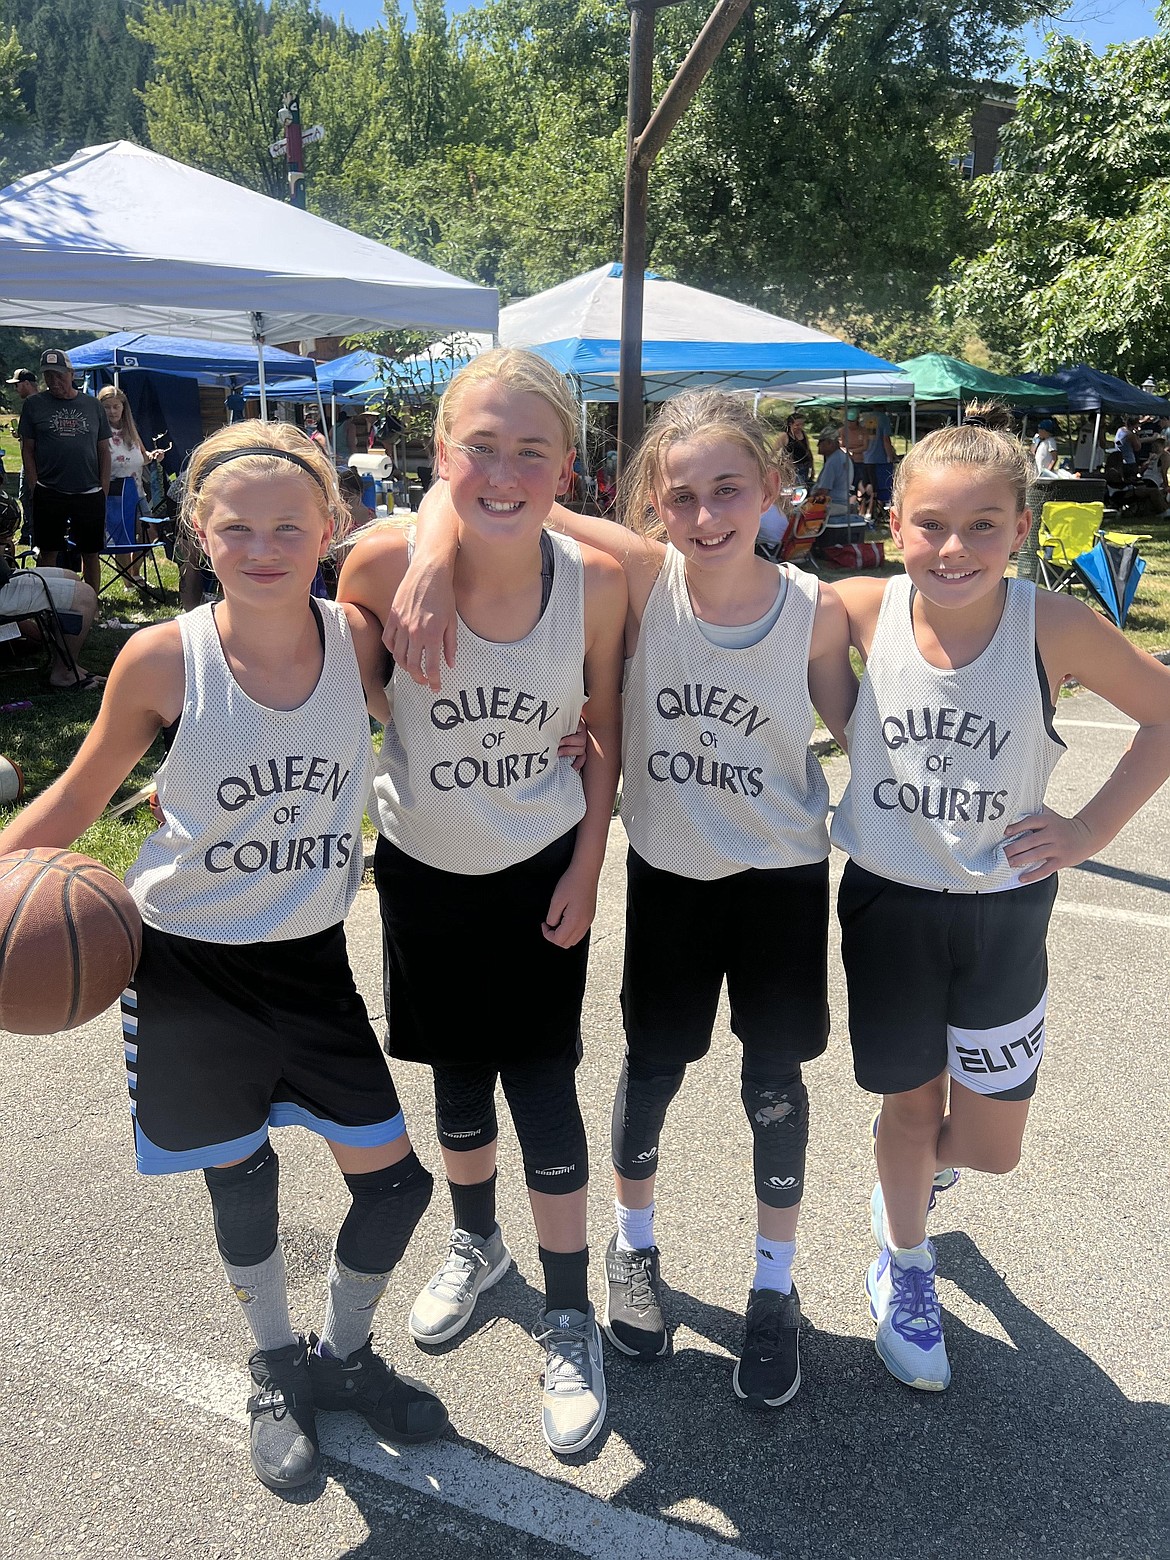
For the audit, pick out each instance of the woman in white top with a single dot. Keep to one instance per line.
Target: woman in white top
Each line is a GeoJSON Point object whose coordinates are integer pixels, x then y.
{"type": "Point", "coordinates": [128, 457]}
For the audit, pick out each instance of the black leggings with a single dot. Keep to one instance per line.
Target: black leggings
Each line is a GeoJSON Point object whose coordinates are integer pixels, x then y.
{"type": "Point", "coordinates": [774, 1099]}
{"type": "Point", "coordinates": [542, 1097]}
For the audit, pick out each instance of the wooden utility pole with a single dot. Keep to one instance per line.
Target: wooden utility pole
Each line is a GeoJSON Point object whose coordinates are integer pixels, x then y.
{"type": "Point", "coordinates": [646, 135]}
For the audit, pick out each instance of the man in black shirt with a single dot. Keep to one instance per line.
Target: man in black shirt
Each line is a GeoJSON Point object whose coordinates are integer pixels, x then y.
{"type": "Point", "coordinates": [65, 446]}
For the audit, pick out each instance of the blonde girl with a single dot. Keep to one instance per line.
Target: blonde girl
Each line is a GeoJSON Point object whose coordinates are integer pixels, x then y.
{"type": "Point", "coordinates": [491, 846]}
{"type": "Point", "coordinates": [243, 1013]}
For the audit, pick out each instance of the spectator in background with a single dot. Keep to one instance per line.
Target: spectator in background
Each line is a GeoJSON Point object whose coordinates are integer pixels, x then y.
{"type": "Point", "coordinates": [65, 445]}
{"type": "Point", "coordinates": [313, 430]}
{"type": "Point", "coordinates": [795, 441]}
{"type": "Point", "coordinates": [1044, 449]}
{"type": "Point", "coordinates": [234, 404]}
{"type": "Point", "coordinates": [24, 381]}
{"type": "Point", "coordinates": [1156, 470]}
{"type": "Point", "coordinates": [128, 457]}
{"type": "Point", "coordinates": [344, 439]}
{"type": "Point", "coordinates": [29, 590]}
{"type": "Point", "coordinates": [877, 482]}
{"type": "Point", "coordinates": [835, 484]}
{"type": "Point", "coordinates": [1125, 442]}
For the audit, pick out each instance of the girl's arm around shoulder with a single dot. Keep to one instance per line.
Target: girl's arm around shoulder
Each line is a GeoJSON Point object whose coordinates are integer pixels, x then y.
{"type": "Point", "coordinates": [1076, 642]}
{"type": "Point", "coordinates": [373, 661]}
{"type": "Point", "coordinates": [144, 693]}
{"type": "Point", "coordinates": [373, 570]}
{"type": "Point", "coordinates": [420, 621]}
{"type": "Point", "coordinates": [862, 600]}
{"type": "Point", "coordinates": [832, 685]}
{"type": "Point", "coordinates": [640, 556]}
{"type": "Point", "coordinates": [574, 899]}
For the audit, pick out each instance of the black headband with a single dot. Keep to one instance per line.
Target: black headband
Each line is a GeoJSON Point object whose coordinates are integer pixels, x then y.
{"type": "Point", "coordinates": [261, 449]}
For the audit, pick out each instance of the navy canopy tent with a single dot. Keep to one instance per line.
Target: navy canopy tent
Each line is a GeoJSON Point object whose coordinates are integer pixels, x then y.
{"type": "Point", "coordinates": [1089, 390]}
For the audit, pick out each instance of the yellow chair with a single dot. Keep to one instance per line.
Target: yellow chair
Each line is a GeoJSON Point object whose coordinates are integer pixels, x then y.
{"type": "Point", "coordinates": [1067, 532]}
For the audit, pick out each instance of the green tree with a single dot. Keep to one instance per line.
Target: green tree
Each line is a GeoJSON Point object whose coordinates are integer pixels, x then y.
{"type": "Point", "coordinates": [221, 69]}
{"type": "Point", "coordinates": [1073, 264]}
{"type": "Point", "coordinates": [80, 79]}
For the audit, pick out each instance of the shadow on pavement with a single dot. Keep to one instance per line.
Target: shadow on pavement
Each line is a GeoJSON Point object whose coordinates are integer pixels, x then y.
{"type": "Point", "coordinates": [1033, 1451]}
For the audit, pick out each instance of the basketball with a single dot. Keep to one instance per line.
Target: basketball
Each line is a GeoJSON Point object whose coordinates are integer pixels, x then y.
{"type": "Point", "coordinates": [11, 781]}
{"type": "Point", "coordinates": [70, 936]}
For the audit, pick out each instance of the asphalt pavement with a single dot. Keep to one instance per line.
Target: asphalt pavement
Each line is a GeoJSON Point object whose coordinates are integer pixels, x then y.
{"type": "Point", "coordinates": [122, 1364]}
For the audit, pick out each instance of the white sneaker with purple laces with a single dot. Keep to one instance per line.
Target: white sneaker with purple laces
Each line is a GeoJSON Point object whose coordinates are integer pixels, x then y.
{"type": "Point", "coordinates": [902, 1301]}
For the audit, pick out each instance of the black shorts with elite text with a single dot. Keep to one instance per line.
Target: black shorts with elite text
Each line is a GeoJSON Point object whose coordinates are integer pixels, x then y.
{"type": "Point", "coordinates": [763, 930]}
{"type": "Point", "coordinates": [942, 982]}
{"type": "Point", "coordinates": [223, 1041]}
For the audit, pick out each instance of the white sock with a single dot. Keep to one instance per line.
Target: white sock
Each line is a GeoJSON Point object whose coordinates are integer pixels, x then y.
{"type": "Point", "coordinates": [774, 1264]}
{"type": "Point", "coordinates": [635, 1227]}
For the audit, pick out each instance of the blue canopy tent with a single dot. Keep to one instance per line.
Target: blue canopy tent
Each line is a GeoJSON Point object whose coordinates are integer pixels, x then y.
{"type": "Point", "coordinates": [161, 376]}
{"type": "Point", "coordinates": [337, 379]}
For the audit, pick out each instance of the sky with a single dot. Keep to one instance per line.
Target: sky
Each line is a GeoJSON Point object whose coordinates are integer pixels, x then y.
{"type": "Point", "coordinates": [1100, 22]}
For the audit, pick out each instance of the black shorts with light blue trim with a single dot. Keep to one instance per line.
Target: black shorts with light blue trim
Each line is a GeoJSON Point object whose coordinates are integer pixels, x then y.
{"type": "Point", "coordinates": [224, 1041]}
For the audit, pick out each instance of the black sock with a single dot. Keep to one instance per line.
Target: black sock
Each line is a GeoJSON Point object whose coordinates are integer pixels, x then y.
{"type": "Point", "coordinates": [475, 1206]}
{"type": "Point", "coordinates": [566, 1279]}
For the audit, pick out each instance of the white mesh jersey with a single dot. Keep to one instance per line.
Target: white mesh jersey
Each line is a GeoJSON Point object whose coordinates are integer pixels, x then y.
{"type": "Point", "coordinates": [468, 780]}
{"type": "Point", "coordinates": [942, 761]}
{"type": "Point", "coordinates": [716, 770]}
{"type": "Point", "coordinates": [263, 838]}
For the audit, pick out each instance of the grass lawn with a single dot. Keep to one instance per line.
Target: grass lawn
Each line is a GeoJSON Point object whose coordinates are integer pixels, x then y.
{"type": "Point", "coordinates": [43, 738]}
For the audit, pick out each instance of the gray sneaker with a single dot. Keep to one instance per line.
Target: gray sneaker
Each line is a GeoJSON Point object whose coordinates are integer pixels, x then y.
{"type": "Point", "coordinates": [443, 1309]}
{"type": "Point", "coordinates": [573, 1409]}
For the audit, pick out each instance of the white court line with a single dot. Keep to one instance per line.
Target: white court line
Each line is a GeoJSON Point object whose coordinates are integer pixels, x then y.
{"type": "Point", "coordinates": [472, 1481]}
{"type": "Point", "coordinates": [1098, 725]}
{"type": "Point", "coordinates": [1108, 913]}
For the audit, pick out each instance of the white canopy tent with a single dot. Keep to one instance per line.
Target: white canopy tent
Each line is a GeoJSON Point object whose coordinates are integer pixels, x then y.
{"type": "Point", "coordinates": [690, 338]}
{"type": "Point", "coordinates": [119, 238]}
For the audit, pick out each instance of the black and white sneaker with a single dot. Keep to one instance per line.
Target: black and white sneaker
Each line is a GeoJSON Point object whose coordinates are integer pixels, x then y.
{"type": "Point", "coordinates": [768, 1371]}
{"type": "Point", "coordinates": [282, 1430]}
{"type": "Point", "coordinates": [398, 1407]}
{"type": "Point", "coordinates": [634, 1322]}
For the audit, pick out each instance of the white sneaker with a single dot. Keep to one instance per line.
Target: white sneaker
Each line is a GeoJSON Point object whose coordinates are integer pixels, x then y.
{"type": "Point", "coordinates": [443, 1309]}
{"type": "Point", "coordinates": [573, 1408]}
{"type": "Point", "coordinates": [903, 1303]}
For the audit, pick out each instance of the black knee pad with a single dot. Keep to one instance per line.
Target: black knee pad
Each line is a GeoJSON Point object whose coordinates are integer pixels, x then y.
{"type": "Point", "coordinates": [547, 1118]}
{"type": "Point", "coordinates": [465, 1108]}
{"type": "Point", "coordinates": [643, 1097]}
{"type": "Point", "coordinates": [777, 1111]}
{"type": "Point", "coordinates": [243, 1200]}
{"type": "Point", "coordinates": [387, 1205]}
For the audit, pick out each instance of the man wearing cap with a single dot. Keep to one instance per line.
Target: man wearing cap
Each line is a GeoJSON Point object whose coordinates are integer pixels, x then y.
{"type": "Point", "coordinates": [25, 383]}
{"type": "Point", "coordinates": [65, 445]}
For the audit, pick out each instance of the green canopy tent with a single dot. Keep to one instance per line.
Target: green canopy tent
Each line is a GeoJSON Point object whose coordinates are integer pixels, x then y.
{"type": "Point", "coordinates": [937, 377]}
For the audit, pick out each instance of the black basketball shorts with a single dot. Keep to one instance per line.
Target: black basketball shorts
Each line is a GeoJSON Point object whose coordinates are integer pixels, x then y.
{"type": "Point", "coordinates": [763, 930]}
{"type": "Point", "coordinates": [943, 982]}
{"type": "Point", "coordinates": [224, 1041]}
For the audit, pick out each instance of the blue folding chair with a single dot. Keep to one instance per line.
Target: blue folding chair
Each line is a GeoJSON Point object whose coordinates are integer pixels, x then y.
{"type": "Point", "coordinates": [122, 547]}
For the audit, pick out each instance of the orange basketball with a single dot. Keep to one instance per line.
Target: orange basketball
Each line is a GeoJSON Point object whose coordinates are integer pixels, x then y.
{"type": "Point", "coordinates": [70, 936]}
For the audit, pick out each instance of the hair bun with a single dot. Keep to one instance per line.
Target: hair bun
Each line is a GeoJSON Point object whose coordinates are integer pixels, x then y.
{"type": "Point", "coordinates": [989, 414]}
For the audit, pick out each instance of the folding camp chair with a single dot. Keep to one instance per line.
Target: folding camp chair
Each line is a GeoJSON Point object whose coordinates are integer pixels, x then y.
{"type": "Point", "coordinates": [122, 547]}
{"type": "Point", "coordinates": [52, 626]}
{"type": "Point", "coordinates": [1075, 550]}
